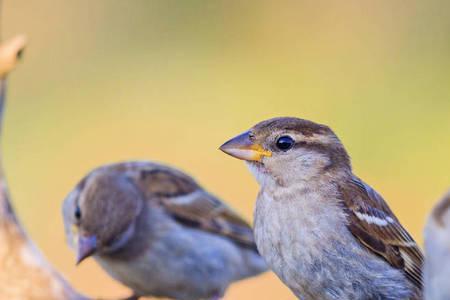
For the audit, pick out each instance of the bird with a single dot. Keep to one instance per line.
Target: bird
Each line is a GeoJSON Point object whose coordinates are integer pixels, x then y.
{"type": "Point", "coordinates": [157, 231]}
{"type": "Point", "coordinates": [325, 232]}
{"type": "Point", "coordinates": [437, 252]}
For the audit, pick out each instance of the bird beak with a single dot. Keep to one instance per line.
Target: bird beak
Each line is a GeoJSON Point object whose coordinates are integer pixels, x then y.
{"type": "Point", "coordinates": [242, 147]}
{"type": "Point", "coordinates": [87, 245]}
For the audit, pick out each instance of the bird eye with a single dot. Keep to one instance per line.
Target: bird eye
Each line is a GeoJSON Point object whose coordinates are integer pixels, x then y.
{"type": "Point", "coordinates": [77, 213]}
{"type": "Point", "coordinates": [285, 143]}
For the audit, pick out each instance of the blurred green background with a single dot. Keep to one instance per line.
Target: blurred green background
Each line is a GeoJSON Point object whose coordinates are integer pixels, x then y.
{"type": "Point", "coordinates": [104, 81]}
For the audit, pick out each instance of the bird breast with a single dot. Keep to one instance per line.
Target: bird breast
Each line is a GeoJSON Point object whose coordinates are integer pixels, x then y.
{"type": "Point", "coordinates": [305, 241]}
{"type": "Point", "coordinates": [293, 229]}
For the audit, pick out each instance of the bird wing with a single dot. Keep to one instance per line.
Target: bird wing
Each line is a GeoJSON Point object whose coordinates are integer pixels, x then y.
{"type": "Point", "coordinates": [373, 223]}
{"type": "Point", "coordinates": [190, 205]}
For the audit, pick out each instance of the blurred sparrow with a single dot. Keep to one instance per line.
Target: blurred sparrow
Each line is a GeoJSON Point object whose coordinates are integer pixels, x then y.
{"type": "Point", "coordinates": [437, 252]}
{"type": "Point", "coordinates": [157, 231]}
{"type": "Point", "coordinates": [324, 232]}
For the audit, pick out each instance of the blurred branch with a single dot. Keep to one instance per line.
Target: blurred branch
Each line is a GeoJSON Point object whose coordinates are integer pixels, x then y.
{"type": "Point", "coordinates": [10, 53]}
{"type": "Point", "coordinates": [24, 272]}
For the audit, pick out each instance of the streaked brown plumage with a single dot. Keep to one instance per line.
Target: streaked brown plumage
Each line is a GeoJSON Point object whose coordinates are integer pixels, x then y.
{"type": "Point", "coordinates": [204, 211]}
{"type": "Point", "coordinates": [307, 190]}
{"type": "Point", "coordinates": [392, 241]}
{"type": "Point", "coordinates": [149, 223]}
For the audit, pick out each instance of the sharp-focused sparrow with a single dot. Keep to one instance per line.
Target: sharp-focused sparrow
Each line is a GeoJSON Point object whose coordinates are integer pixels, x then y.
{"type": "Point", "coordinates": [157, 231]}
{"type": "Point", "coordinates": [324, 232]}
{"type": "Point", "coordinates": [437, 252]}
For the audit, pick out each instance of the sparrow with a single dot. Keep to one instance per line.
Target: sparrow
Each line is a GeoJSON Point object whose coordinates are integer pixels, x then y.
{"type": "Point", "coordinates": [321, 229]}
{"type": "Point", "coordinates": [156, 230]}
{"type": "Point", "coordinates": [437, 252]}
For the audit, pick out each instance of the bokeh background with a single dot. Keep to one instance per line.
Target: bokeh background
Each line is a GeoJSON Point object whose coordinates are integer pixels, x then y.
{"type": "Point", "coordinates": [105, 81]}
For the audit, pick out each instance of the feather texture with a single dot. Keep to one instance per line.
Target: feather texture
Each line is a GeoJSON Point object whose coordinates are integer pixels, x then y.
{"type": "Point", "coordinates": [156, 230]}
{"type": "Point", "coordinates": [182, 198]}
{"type": "Point", "coordinates": [193, 206]}
{"type": "Point", "coordinates": [373, 223]}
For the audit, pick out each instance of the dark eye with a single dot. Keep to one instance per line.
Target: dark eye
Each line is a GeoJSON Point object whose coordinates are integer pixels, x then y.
{"type": "Point", "coordinates": [285, 143]}
{"type": "Point", "coordinates": [77, 213]}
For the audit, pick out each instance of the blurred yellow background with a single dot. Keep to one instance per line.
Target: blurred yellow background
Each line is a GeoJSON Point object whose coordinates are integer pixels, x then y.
{"type": "Point", "coordinates": [105, 81]}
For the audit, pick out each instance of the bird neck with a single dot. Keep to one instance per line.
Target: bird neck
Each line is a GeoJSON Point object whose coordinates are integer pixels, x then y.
{"type": "Point", "coordinates": [145, 229]}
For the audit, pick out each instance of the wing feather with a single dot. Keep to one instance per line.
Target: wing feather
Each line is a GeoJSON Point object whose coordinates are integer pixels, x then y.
{"type": "Point", "coordinates": [373, 223]}
{"type": "Point", "coordinates": [188, 202]}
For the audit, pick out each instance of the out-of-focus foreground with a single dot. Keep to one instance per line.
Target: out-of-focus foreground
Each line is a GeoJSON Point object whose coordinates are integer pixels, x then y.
{"type": "Point", "coordinates": [170, 81]}
{"type": "Point", "coordinates": [25, 274]}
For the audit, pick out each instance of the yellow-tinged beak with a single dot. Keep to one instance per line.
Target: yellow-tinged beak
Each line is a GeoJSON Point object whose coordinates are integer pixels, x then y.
{"type": "Point", "coordinates": [242, 147]}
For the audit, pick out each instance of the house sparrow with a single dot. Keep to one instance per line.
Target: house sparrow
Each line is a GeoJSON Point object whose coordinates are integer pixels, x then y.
{"type": "Point", "coordinates": [324, 232]}
{"type": "Point", "coordinates": [154, 229]}
{"type": "Point", "coordinates": [437, 252]}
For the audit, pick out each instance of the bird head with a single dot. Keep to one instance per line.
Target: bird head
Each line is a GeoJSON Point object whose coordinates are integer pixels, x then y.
{"type": "Point", "coordinates": [100, 214]}
{"type": "Point", "coordinates": [288, 149]}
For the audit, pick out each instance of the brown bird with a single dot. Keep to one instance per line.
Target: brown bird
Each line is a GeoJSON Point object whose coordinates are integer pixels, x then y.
{"type": "Point", "coordinates": [325, 233]}
{"type": "Point", "coordinates": [157, 231]}
{"type": "Point", "coordinates": [437, 252]}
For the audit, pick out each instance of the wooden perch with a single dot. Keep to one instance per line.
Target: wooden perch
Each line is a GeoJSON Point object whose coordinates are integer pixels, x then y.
{"type": "Point", "coordinates": [24, 273]}
{"type": "Point", "coordinates": [10, 53]}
